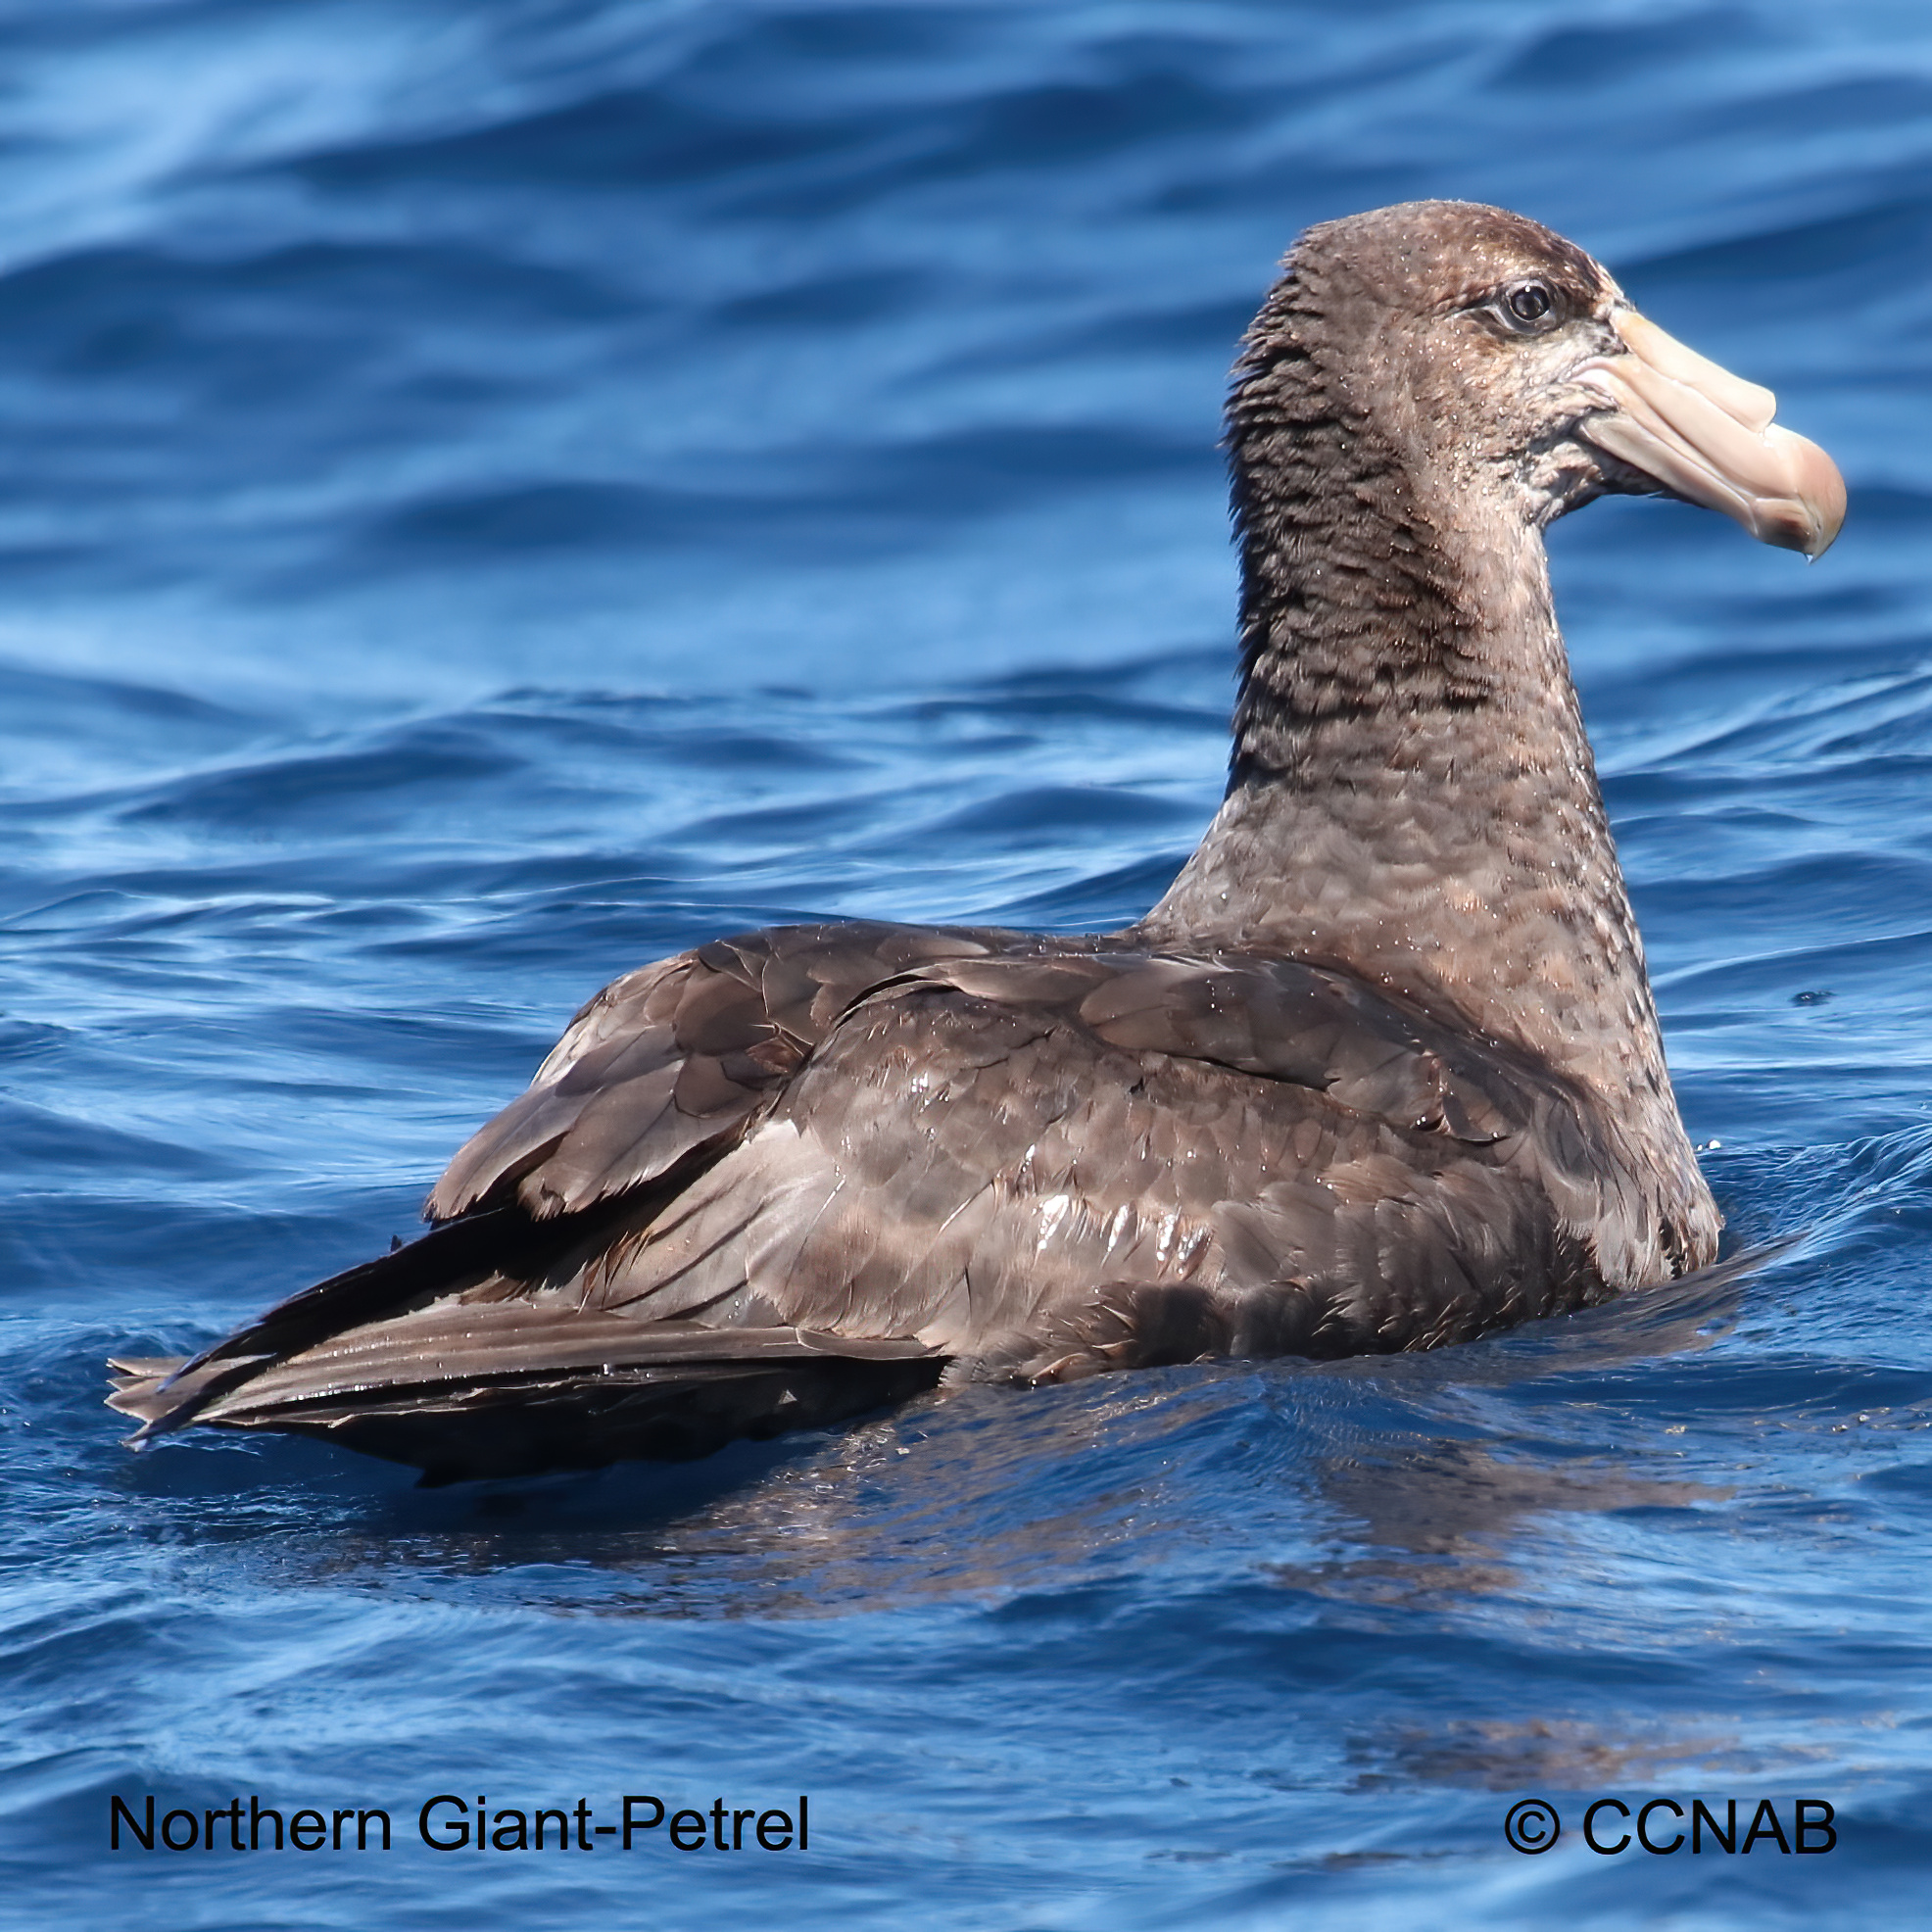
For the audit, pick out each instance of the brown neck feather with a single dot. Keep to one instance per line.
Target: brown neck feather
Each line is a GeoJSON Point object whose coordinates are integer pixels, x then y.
{"type": "Point", "coordinates": [1412, 794]}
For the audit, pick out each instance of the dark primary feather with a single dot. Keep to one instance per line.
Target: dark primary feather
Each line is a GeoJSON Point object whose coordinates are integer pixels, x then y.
{"type": "Point", "coordinates": [1381, 1072]}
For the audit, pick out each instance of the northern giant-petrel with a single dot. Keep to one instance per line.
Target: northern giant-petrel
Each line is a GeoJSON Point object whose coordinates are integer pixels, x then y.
{"type": "Point", "coordinates": [1381, 1071]}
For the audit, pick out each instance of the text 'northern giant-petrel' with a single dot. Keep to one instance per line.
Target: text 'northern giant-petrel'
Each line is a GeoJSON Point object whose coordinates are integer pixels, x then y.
{"type": "Point", "coordinates": [1381, 1071]}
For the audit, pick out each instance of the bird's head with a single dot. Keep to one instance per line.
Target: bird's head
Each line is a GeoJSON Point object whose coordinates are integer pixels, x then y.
{"type": "Point", "coordinates": [1500, 365]}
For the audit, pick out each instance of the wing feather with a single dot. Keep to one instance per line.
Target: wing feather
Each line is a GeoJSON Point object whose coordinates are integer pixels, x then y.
{"type": "Point", "coordinates": [676, 1056]}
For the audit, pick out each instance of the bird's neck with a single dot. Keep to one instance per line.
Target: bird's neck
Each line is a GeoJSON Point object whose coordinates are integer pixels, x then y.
{"type": "Point", "coordinates": [1412, 795]}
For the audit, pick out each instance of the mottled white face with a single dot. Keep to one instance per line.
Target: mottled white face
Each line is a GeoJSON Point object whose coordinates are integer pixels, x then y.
{"type": "Point", "coordinates": [1520, 362]}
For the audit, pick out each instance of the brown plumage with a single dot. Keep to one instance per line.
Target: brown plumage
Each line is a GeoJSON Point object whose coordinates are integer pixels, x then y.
{"type": "Point", "coordinates": [1381, 1072]}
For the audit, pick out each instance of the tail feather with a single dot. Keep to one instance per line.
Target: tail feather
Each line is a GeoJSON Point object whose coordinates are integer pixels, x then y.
{"type": "Point", "coordinates": [505, 1242]}
{"type": "Point", "coordinates": [548, 1390]}
{"type": "Point", "coordinates": [440, 1355]}
{"type": "Point", "coordinates": [499, 1240]}
{"type": "Point", "coordinates": [457, 1344]}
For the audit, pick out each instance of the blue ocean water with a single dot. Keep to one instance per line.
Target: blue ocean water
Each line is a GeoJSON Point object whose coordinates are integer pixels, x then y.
{"type": "Point", "coordinates": [493, 493]}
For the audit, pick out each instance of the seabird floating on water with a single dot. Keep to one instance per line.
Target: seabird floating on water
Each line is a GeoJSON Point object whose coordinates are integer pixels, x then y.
{"type": "Point", "coordinates": [1381, 1071]}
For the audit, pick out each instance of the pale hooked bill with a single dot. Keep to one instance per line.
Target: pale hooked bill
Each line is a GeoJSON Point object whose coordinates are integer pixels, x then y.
{"type": "Point", "coordinates": [1708, 436]}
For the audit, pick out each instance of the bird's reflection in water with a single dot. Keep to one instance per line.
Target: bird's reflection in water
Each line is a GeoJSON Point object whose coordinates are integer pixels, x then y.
{"type": "Point", "coordinates": [1418, 1495]}
{"type": "Point", "coordinates": [1620, 1750]}
{"type": "Point", "coordinates": [1459, 1500]}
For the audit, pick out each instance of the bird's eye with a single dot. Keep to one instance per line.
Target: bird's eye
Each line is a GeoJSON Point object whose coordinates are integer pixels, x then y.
{"type": "Point", "coordinates": [1530, 302]}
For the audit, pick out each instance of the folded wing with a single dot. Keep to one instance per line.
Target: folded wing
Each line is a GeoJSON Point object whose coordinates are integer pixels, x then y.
{"type": "Point", "coordinates": [801, 1172]}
